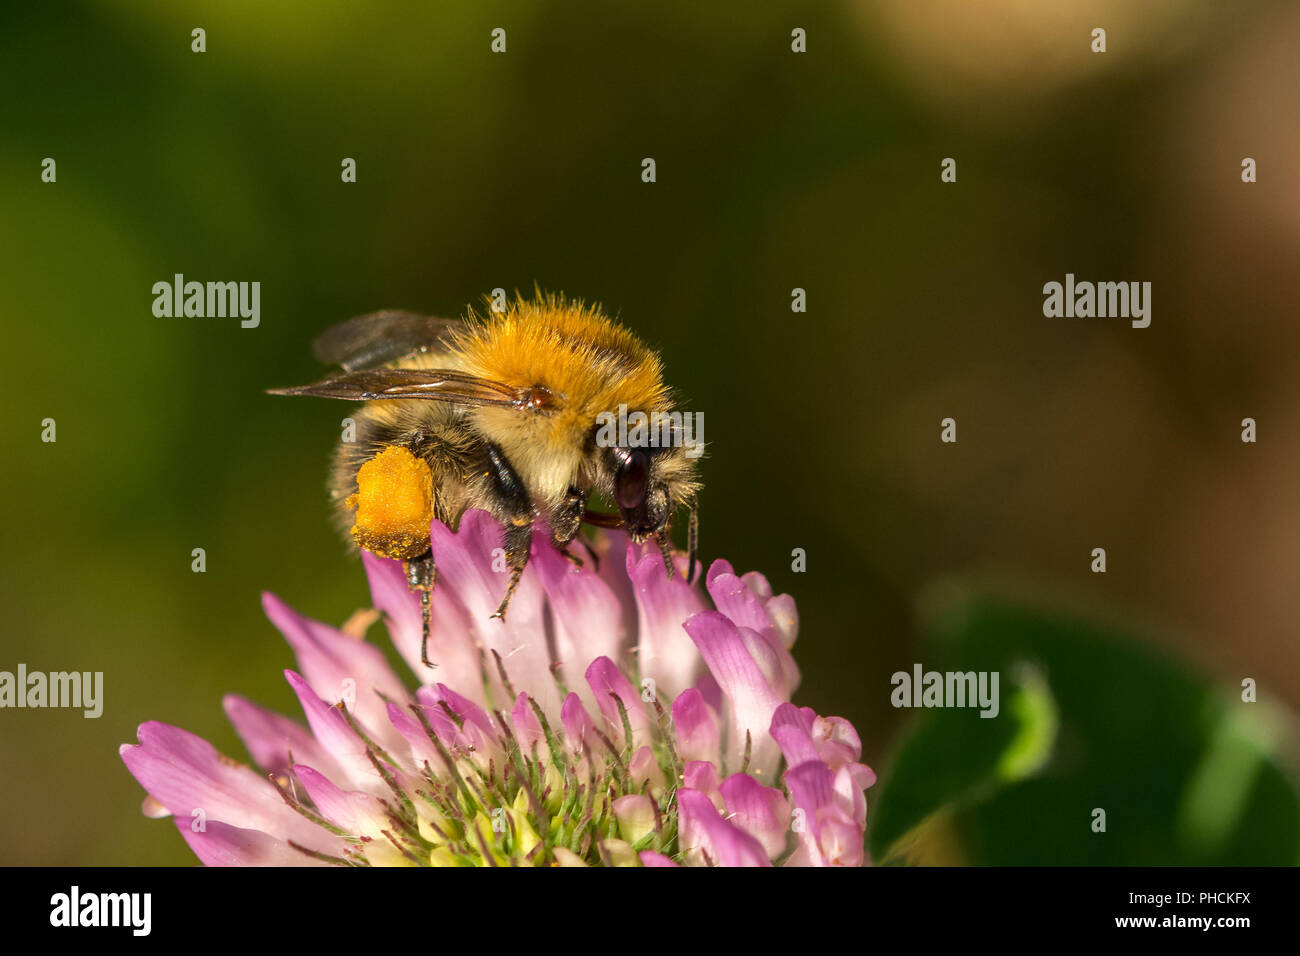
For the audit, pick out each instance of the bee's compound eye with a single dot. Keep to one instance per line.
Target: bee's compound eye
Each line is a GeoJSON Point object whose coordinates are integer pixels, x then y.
{"type": "Point", "coordinates": [630, 482]}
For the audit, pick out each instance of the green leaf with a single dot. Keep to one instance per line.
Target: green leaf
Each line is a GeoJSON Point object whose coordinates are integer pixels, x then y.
{"type": "Point", "coordinates": [955, 755]}
{"type": "Point", "coordinates": [1186, 773]}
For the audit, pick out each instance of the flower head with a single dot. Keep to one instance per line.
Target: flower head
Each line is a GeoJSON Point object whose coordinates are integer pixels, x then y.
{"type": "Point", "coordinates": [614, 718]}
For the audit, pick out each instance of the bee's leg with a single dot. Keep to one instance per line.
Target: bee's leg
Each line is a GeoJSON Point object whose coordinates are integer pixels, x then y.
{"type": "Point", "coordinates": [565, 522]}
{"type": "Point", "coordinates": [420, 578]}
{"type": "Point", "coordinates": [666, 549]}
{"type": "Point", "coordinates": [516, 507]}
{"type": "Point", "coordinates": [519, 537]}
{"type": "Point", "coordinates": [692, 538]}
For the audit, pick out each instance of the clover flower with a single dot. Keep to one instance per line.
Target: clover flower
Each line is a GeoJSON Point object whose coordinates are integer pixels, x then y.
{"type": "Point", "coordinates": [613, 718]}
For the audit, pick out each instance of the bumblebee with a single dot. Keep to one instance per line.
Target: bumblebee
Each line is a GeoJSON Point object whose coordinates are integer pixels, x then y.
{"type": "Point", "coordinates": [498, 411]}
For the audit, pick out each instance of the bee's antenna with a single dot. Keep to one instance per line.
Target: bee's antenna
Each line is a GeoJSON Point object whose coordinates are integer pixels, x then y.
{"type": "Point", "coordinates": [692, 538]}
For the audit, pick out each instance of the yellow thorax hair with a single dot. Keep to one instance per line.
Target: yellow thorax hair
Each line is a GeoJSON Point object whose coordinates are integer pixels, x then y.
{"type": "Point", "coordinates": [590, 363]}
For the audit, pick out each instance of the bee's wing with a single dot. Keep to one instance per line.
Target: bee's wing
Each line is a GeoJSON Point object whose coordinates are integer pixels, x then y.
{"type": "Point", "coordinates": [438, 385]}
{"type": "Point", "coordinates": [378, 338]}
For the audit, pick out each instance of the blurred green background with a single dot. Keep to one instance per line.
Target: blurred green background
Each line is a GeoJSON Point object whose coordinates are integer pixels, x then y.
{"type": "Point", "coordinates": [776, 170]}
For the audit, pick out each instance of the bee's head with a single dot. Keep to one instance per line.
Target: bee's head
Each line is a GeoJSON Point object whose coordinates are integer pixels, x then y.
{"type": "Point", "coordinates": [647, 484]}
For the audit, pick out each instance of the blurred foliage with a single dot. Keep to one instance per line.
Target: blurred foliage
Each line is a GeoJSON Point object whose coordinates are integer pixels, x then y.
{"type": "Point", "coordinates": [1186, 773]}
{"type": "Point", "coordinates": [775, 170]}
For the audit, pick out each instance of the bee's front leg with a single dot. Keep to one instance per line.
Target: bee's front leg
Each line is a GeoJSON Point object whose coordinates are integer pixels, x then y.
{"type": "Point", "coordinates": [666, 549]}
{"type": "Point", "coordinates": [565, 522]}
{"type": "Point", "coordinates": [692, 538]}
{"type": "Point", "coordinates": [515, 507]}
{"type": "Point", "coordinates": [518, 541]}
